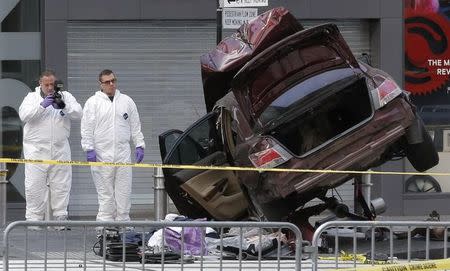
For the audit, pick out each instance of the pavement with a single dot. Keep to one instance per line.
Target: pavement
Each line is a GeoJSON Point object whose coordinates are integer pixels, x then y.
{"type": "Point", "coordinates": [28, 249]}
{"type": "Point", "coordinates": [382, 244]}
{"type": "Point", "coordinates": [74, 249]}
{"type": "Point", "coordinates": [70, 250]}
{"type": "Point", "coordinates": [383, 248]}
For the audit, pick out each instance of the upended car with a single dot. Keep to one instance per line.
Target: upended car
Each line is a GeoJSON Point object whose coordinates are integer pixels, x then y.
{"type": "Point", "coordinates": [281, 96]}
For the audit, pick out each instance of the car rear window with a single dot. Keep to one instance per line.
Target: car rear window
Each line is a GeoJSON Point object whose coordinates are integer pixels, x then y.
{"type": "Point", "coordinates": [289, 99]}
{"type": "Point", "coordinates": [318, 110]}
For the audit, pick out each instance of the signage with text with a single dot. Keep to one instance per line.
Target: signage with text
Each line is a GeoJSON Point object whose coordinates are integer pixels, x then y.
{"type": "Point", "coordinates": [245, 3]}
{"type": "Point", "coordinates": [233, 18]}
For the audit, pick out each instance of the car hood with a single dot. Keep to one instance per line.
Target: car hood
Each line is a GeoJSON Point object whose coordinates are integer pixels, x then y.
{"type": "Point", "coordinates": [221, 64]}
{"type": "Point", "coordinates": [288, 62]}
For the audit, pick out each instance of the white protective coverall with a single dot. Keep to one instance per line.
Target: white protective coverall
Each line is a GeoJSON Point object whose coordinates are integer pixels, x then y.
{"type": "Point", "coordinates": [107, 127]}
{"type": "Point", "coordinates": [46, 133]}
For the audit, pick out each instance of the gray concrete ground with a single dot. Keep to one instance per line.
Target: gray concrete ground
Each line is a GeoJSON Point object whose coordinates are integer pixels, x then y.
{"type": "Point", "coordinates": [78, 250]}
{"type": "Point", "coordinates": [399, 243]}
{"type": "Point", "coordinates": [399, 247]}
{"type": "Point", "coordinates": [28, 250]}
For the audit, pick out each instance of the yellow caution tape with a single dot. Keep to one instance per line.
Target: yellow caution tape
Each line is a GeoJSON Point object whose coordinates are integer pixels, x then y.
{"type": "Point", "coordinates": [196, 167]}
{"type": "Point", "coordinates": [443, 264]}
{"type": "Point", "coordinates": [349, 257]}
{"type": "Point", "coordinates": [344, 256]}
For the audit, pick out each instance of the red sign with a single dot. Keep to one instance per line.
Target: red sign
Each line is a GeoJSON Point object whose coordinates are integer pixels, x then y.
{"type": "Point", "coordinates": [427, 46]}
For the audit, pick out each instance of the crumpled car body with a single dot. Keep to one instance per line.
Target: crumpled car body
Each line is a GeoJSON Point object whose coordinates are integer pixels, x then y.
{"type": "Point", "coordinates": [280, 96]}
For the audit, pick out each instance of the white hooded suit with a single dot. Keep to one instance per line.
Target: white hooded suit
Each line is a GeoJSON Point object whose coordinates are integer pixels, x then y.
{"type": "Point", "coordinates": [46, 133]}
{"type": "Point", "coordinates": [108, 127]}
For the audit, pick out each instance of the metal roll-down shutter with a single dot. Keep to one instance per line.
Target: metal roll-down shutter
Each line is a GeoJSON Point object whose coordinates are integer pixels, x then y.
{"type": "Point", "coordinates": [157, 64]}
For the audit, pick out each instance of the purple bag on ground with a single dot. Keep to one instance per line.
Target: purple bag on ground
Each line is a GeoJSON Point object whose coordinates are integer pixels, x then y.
{"type": "Point", "coordinates": [193, 241]}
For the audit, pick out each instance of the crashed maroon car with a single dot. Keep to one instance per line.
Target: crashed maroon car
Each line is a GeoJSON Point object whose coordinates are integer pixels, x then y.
{"type": "Point", "coordinates": [280, 96]}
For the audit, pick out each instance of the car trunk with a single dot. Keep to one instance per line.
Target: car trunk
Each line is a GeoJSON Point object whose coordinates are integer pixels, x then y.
{"type": "Point", "coordinates": [323, 116]}
{"type": "Point", "coordinates": [287, 63]}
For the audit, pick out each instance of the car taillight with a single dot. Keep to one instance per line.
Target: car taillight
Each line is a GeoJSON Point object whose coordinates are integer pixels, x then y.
{"type": "Point", "coordinates": [270, 157]}
{"type": "Point", "coordinates": [385, 91]}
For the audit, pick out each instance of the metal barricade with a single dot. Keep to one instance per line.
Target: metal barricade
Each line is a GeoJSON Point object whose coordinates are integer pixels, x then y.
{"type": "Point", "coordinates": [74, 249]}
{"type": "Point", "coordinates": [350, 240]}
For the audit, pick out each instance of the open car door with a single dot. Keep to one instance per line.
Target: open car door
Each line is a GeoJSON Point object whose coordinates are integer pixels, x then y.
{"type": "Point", "coordinates": [199, 193]}
{"type": "Point", "coordinates": [167, 140]}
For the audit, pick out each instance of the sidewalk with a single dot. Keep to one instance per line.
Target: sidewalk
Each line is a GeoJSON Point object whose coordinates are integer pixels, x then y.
{"type": "Point", "coordinates": [61, 250]}
{"type": "Point", "coordinates": [76, 247]}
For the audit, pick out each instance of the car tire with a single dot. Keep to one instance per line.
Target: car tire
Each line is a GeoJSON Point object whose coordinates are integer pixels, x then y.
{"type": "Point", "coordinates": [422, 156]}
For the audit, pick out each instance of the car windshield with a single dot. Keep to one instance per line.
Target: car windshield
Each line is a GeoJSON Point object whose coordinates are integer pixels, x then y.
{"type": "Point", "coordinates": [286, 102]}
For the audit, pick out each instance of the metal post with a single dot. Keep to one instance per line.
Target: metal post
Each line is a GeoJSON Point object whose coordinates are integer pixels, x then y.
{"type": "Point", "coordinates": [364, 182]}
{"type": "Point", "coordinates": [357, 185]}
{"type": "Point", "coordinates": [219, 21]}
{"type": "Point", "coordinates": [48, 210]}
{"type": "Point", "coordinates": [3, 194]}
{"type": "Point", "coordinates": [160, 199]}
{"type": "Point", "coordinates": [366, 186]}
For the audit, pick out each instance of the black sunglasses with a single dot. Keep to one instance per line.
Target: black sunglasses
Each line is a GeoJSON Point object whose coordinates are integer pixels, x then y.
{"type": "Point", "coordinates": [109, 81]}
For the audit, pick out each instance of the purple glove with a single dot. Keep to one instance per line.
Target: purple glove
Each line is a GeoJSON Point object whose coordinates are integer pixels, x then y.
{"type": "Point", "coordinates": [139, 154]}
{"type": "Point", "coordinates": [47, 101]}
{"type": "Point", "coordinates": [91, 156]}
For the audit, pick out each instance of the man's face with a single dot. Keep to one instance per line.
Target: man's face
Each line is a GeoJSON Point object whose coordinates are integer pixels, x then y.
{"type": "Point", "coordinates": [108, 84]}
{"type": "Point", "coordinates": [47, 84]}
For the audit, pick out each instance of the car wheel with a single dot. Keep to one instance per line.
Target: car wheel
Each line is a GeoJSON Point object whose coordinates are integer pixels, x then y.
{"type": "Point", "coordinates": [422, 155]}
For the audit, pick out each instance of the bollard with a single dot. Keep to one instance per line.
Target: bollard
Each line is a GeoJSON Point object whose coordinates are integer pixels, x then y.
{"type": "Point", "coordinates": [48, 210]}
{"type": "Point", "coordinates": [362, 181]}
{"type": "Point", "coordinates": [366, 186]}
{"type": "Point", "coordinates": [3, 194]}
{"type": "Point", "coordinates": [160, 198]}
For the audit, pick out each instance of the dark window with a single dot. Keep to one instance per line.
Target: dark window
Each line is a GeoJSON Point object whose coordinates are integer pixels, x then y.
{"type": "Point", "coordinates": [26, 71]}
{"type": "Point", "coordinates": [198, 142]}
{"type": "Point", "coordinates": [25, 17]}
{"type": "Point", "coordinates": [12, 135]}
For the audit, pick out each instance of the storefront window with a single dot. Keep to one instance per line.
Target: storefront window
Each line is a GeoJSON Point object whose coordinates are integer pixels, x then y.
{"type": "Point", "coordinates": [24, 18]}
{"type": "Point", "coordinates": [427, 77]}
{"type": "Point", "coordinates": [19, 72]}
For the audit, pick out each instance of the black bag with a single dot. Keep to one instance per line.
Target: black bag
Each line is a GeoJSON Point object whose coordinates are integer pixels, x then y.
{"type": "Point", "coordinates": [114, 252]}
{"type": "Point", "coordinates": [169, 257]}
{"type": "Point", "coordinates": [114, 247]}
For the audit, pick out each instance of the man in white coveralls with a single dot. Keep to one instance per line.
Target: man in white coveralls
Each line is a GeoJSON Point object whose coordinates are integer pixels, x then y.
{"type": "Point", "coordinates": [47, 118]}
{"type": "Point", "coordinates": [110, 122]}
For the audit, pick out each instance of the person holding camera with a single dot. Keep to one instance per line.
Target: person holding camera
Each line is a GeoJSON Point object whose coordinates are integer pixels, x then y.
{"type": "Point", "coordinates": [110, 121]}
{"type": "Point", "coordinates": [47, 114]}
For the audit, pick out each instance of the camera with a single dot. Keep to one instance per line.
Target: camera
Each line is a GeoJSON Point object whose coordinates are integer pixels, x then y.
{"type": "Point", "coordinates": [59, 86]}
